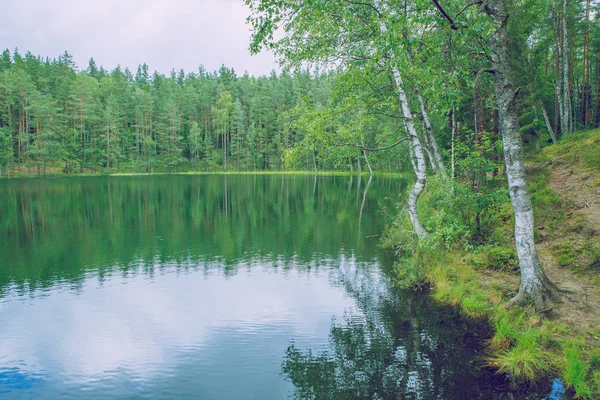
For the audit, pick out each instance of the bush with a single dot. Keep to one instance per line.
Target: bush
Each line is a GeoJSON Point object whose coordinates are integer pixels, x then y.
{"type": "Point", "coordinates": [409, 274]}
{"type": "Point", "coordinates": [501, 259]}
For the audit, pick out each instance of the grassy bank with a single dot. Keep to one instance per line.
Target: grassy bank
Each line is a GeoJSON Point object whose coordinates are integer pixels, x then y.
{"type": "Point", "coordinates": [469, 262]}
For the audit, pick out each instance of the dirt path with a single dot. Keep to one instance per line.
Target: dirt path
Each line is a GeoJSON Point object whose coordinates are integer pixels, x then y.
{"type": "Point", "coordinates": [581, 188]}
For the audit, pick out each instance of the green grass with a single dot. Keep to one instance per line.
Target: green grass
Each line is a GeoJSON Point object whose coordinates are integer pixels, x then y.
{"type": "Point", "coordinates": [522, 345]}
{"type": "Point", "coordinates": [527, 359]}
{"type": "Point", "coordinates": [578, 148]}
{"type": "Point", "coordinates": [577, 371]}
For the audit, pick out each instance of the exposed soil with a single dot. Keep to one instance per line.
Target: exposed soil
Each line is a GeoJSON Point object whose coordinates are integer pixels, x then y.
{"type": "Point", "coordinates": [581, 306]}
{"type": "Point", "coordinates": [581, 188]}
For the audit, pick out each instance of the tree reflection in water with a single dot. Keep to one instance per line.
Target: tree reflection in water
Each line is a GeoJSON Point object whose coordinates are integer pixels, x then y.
{"type": "Point", "coordinates": [395, 345]}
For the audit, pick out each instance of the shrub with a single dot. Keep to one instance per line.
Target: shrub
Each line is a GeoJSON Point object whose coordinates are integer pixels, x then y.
{"type": "Point", "coordinates": [501, 258]}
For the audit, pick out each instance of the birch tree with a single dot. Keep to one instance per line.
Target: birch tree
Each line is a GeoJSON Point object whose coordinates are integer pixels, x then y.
{"type": "Point", "coordinates": [535, 287]}
{"type": "Point", "coordinates": [347, 35]}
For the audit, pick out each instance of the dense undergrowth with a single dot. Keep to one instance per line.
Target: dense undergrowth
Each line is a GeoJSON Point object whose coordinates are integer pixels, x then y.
{"type": "Point", "coordinates": [469, 261]}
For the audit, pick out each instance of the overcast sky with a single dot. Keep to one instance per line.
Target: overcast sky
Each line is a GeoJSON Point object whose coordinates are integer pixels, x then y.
{"type": "Point", "coordinates": [165, 34]}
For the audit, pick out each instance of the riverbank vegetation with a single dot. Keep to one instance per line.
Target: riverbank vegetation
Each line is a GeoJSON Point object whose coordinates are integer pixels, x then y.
{"type": "Point", "coordinates": [469, 262]}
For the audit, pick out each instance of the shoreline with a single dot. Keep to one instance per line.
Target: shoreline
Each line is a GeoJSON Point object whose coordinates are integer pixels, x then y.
{"type": "Point", "coordinates": [192, 173]}
{"type": "Point", "coordinates": [479, 280]}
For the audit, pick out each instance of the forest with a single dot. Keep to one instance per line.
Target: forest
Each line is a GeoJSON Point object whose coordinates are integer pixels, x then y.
{"type": "Point", "coordinates": [58, 117]}
{"type": "Point", "coordinates": [480, 103]}
{"type": "Point", "coordinates": [92, 120]}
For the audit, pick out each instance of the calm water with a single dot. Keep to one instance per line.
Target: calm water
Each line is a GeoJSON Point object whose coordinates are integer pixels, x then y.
{"type": "Point", "coordinates": [223, 287]}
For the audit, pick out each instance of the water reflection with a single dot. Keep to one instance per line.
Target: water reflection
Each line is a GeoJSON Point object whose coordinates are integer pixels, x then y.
{"type": "Point", "coordinates": [57, 229]}
{"type": "Point", "coordinates": [229, 287]}
{"type": "Point", "coordinates": [395, 345]}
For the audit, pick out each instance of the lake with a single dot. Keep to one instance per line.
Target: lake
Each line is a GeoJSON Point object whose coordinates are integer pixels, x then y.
{"type": "Point", "coordinates": [220, 287]}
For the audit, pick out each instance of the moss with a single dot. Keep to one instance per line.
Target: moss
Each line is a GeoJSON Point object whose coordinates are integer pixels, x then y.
{"type": "Point", "coordinates": [566, 255]}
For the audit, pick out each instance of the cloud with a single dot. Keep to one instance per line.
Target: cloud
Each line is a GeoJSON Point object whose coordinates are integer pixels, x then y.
{"type": "Point", "coordinates": [165, 34]}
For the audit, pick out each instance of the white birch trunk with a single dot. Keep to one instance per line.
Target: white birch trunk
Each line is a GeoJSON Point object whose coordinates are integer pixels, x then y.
{"type": "Point", "coordinates": [419, 165]}
{"type": "Point", "coordinates": [548, 126]}
{"type": "Point", "coordinates": [452, 149]}
{"type": "Point", "coordinates": [452, 165]}
{"type": "Point", "coordinates": [431, 136]}
{"type": "Point", "coordinates": [420, 169]}
{"type": "Point", "coordinates": [535, 287]}
{"type": "Point", "coordinates": [558, 87]}
{"type": "Point", "coordinates": [368, 163]}
{"type": "Point", "coordinates": [427, 148]}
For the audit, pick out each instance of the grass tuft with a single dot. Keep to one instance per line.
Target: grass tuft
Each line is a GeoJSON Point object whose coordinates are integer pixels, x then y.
{"type": "Point", "coordinates": [576, 371]}
{"type": "Point", "coordinates": [526, 360]}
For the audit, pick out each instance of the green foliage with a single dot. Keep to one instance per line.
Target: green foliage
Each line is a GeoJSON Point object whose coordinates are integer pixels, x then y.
{"type": "Point", "coordinates": [446, 231]}
{"type": "Point", "coordinates": [53, 118]}
{"type": "Point", "coordinates": [6, 152]}
{"type": "Point", "coordinates": [410, 274]}
{"type": "Point", "coordinates": [471, 214]}
{"type": "Point", "coordinates": [500, 258]}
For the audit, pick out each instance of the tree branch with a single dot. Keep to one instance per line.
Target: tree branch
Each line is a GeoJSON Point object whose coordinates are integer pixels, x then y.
{"type": "Point", "coordinates": [370, 149]}
{"type": "Point", "coordinates": [445, 14]}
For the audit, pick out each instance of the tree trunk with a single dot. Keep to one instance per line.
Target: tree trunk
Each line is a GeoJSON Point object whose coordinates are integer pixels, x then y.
{"type": "Point", "coordinates": [427, 148]}
{"type": "Point", "coordinates": [558, 87]}
{"type": "Point", "coordinates": [420, 169]}
{"type": "Point", "coordinates": [597, 107]}
{"type": "Point", "coordinates": [585, 79]}
{"type": "Point", "coordinates": [548, 126]}
{"type": "Point", "coordinates": [535, 287]}
{"type": "Point", "coordinates": [452, 144]}
{"type": "Point", "coordinates": [566, 114]}
{"type": "Point", "coordinates": [431, 136]}
{"type": "Point", "coordinates": [368, 163]}
{"type": "Point", "coordinates": [557, 92]}
{"type": "Point", "coordinates": [478, 111]}
{"type": "Point", "coordinates": [415, 144]}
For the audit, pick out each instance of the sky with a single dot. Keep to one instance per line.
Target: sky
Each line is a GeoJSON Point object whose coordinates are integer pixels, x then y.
{"type": "Point", "coordinates": [164, 34]}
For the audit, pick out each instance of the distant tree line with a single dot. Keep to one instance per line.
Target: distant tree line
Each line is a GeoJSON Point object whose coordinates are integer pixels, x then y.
{"type": "Point", "coordinates": [57, 118]}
